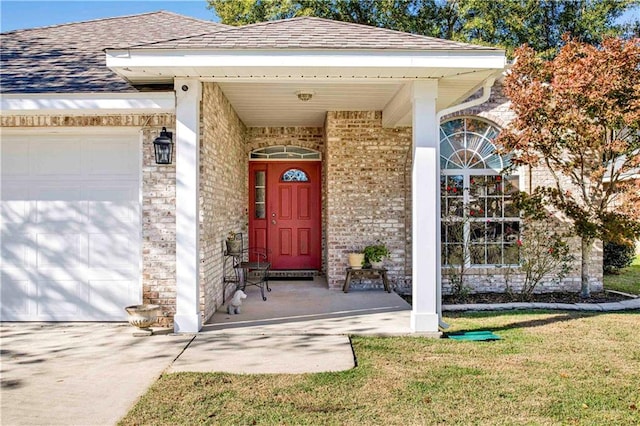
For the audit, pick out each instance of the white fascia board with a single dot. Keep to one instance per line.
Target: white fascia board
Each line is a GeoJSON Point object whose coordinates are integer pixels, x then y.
{"type": "Point", "coordinates": [87, 103]}
{"type": "Point", "coordinates": [234, 59]}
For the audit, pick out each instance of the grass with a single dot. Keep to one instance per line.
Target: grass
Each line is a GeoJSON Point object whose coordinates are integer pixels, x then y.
{"type": "Point", "coordinates": [628, 281]}
{"type": "Point", "coordinates": [550, 368]}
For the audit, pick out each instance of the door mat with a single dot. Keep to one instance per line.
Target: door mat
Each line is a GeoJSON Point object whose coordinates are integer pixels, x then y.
{"type": "Point", "coordinates": [301, 278]}
{"type": "Point", "coordinates": [474, 336]}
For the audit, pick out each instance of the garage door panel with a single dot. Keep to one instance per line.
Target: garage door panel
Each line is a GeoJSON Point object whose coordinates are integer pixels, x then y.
{"type": "Point", "coordinates": [115, 208]}
{"type": "Point", "coordinates": [60, 207]}
{"type": "Point", "coordinates": [57, 157]}
{"type": "Point", "coordinates": [58, 298]}
{"type": "Point", "coordinates": [16, 207]}
{"type": "Point", "coordinates": [71, 226]}
{"type": "Point", "coordinates": [111, 296]}
{"type": "Point", "coordinates": [111, 251]}
{"type": "Point", "coordinates": [14, 294]}
{"type": "Point", "coordinates": [111, 158]}
{"type": "Point", "coordinates": [16, 249]}
{"type": "Point", "coordinates": [61, 251]}
{"type": "Point", "coordinates": [15, 158]}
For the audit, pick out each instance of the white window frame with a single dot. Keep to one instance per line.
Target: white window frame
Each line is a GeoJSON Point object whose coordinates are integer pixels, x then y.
{"type": "Point", "coordinates": [466, 174]}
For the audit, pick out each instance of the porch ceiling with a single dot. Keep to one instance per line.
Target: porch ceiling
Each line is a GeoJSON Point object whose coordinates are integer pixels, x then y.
{"type": "Point", "coordinates": [262, 86]}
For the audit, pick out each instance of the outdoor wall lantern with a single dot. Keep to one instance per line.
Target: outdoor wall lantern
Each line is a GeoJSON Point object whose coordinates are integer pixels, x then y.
{"type": "Point", "coordinates": [163, 147]}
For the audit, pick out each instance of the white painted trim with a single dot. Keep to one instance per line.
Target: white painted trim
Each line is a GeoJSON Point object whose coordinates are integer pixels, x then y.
{"type": "Point", "coordinates": [246, 58]}
{"type": "Point", "coordinates": [87, 103]}
{"type": "Point", "coordinates": [426, 275]}
{"type": "Point", "coordinates": [187, 141]}
{"type": "Point", "coordinates": [88, 130]}
{"type": "Point", "coordinates": [141, 204]}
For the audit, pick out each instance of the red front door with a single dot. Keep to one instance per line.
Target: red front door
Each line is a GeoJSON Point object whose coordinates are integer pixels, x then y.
{"type": "Point", "coordinates": [284, 212]}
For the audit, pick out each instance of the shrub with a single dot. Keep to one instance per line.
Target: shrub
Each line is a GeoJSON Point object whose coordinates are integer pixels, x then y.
{"type": "Point", "coordinates": [617, 256]}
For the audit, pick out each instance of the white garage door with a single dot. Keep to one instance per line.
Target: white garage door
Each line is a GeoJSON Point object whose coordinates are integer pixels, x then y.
{"type": "Point", "coordinates": [71, 227]}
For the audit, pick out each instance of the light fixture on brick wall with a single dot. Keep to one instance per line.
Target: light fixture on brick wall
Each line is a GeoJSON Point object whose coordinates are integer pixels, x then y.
{"type": "Point", "coordinates": [163, 147]}
{"type": "Point", "coordinates": [305, 95]}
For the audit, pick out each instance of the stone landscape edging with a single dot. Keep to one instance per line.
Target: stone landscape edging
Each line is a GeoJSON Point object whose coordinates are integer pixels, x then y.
{"type": "Point", "coordinates": [625, 305]}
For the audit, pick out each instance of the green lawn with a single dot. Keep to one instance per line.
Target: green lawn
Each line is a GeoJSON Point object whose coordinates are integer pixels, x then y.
{"type": "Point", "coordinates": [550, 368]}
{"type": "Point", "coordinates": [628, 281]}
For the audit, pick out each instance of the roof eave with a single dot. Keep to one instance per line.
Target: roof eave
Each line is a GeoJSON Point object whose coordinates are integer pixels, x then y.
{"type": "Point", "coordinates": [153, 64]}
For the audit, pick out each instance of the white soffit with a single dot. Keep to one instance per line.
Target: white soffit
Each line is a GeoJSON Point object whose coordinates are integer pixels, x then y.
{"type": "Point", "coordinates": [87, 103]}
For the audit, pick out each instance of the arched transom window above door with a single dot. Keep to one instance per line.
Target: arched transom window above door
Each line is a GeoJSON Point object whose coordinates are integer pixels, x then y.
{"type": "Point", "coordinates": [480, 224]}
{"type": "Point", "coordinates": [285, 152]}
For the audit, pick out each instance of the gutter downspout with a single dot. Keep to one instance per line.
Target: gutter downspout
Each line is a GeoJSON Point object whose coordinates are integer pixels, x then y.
{"type": "Point", "coordinates": [486, 94]}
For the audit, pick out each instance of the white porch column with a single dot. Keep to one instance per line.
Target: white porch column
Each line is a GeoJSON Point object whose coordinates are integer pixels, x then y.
{"type": "Point", "coordinates": [187, 318]}
{"type": "Point", "coordinates": [426, 208]}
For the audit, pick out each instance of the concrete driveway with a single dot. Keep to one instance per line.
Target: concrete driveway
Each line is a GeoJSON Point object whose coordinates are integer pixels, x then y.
{"type": "Point", "coordinates": [78, 374]}
{"type": "Point", "coordinates": [93, 373]}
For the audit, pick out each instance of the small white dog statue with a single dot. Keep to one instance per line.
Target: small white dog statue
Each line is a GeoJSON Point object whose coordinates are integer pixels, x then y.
{"type": "Point", "coordinates": [234, 305]}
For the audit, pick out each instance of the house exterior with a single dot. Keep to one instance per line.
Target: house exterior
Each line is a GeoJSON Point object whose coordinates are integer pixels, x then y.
{"type": "Point", "coordinates": [313, 137]}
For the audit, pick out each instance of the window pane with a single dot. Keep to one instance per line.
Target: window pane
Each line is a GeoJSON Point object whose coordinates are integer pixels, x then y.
{"type": "Point", "coordinates": [494, 254]}
{"type": "Point", "coordinates": [477, 232]}
{"type": "Point", "coordinates": [454, 232]}
{"type": "Point", "coordinates": [260, 211]}
{"type": "Point", "coordinates": [260, 194]}
{"type": "Point", "coordinates": [455, 254]}
{"type": "Point", "coordinates": [477, 253]}
{"type": "Point", "coordinates": [294, 175]}
{"type": "Point", "coordinates": [477, 208]}
{"type": "Point", "coordinates": [494, 207]}
{"type": "Point", "coordinates": [494, 232]}
{"type": "Point", "coordinates": [478, 185]}
{"type": "Point", "coordinates": [512, 184]}
{"type": "Point", "coordinates": [510, 209]}
{"type": "Point", "coordinates": [511, 232]}
{"type": "Point", "coordinates": [511, 254]}
{"type": "Point", "coordinates": [494, 185]}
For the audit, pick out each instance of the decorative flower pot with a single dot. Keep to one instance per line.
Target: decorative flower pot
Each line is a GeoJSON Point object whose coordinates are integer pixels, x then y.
{"type": "Point", "coordinates": [377, 265]}
{"type": "Point", "coordinates": [356, 260]}
{"type": "Point", "coordinates": [234, 246]}
{"type": "Point", "coordinates": [142, 316]}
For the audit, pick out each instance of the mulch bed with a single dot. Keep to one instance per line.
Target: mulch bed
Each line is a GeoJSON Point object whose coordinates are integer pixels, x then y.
{"type": "Point", "coordinates": [540, 298]}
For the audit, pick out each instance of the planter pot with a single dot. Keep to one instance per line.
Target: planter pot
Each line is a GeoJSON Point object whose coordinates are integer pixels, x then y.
{"type": "Point", "coordinates": [356, 260]}
{"type": "Point", "coordinates": [142, 316]}
{"type": "Point", "coordinates": [234, 246]}
{"type": "Point", "coordinates": [377, 265]}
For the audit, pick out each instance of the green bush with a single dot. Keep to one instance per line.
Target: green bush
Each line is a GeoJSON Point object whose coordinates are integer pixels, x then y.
{"type": "Point", "coordinates": [617, 256]}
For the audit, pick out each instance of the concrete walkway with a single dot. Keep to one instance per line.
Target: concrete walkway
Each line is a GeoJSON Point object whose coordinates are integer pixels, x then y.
{"type": "Point", "coordinates": [93, 373]}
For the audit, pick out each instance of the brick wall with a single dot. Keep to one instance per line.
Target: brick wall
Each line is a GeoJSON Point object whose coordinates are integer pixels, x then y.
{"type": "Point", "coordinates": [223, 190]}
{"type": "Point", "coordinates": [365, 191]}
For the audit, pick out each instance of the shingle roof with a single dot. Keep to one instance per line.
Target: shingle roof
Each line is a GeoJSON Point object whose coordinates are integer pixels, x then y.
{"type": "Point", "coordinates": [71, 58]}
{"type": "Point", "coordinates": [310, 33]}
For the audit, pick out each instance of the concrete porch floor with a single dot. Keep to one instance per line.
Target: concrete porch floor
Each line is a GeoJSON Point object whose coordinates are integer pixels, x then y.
{"type": "Point", "coordinates": [309, 307]}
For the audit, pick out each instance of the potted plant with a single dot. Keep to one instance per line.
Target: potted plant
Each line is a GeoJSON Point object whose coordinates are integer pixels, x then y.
{"type": "Point", "coordinates": [375, 254]}
{"type": "Point", "coordinates": [356, 260]}
{"type": "Point", "coordinates": [234, 243]}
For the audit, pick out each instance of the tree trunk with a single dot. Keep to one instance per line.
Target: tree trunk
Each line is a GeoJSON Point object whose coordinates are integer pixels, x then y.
{"type": "Point", "coordinates": [587, 247]}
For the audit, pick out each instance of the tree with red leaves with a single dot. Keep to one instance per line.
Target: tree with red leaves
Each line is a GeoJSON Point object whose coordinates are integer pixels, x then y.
{"type": "Point", "coordinates": [578, 116]}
